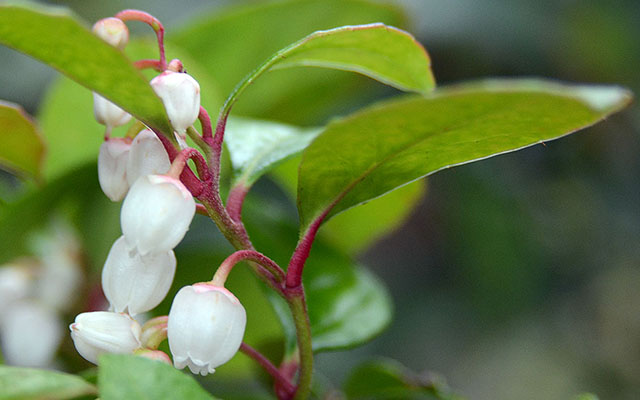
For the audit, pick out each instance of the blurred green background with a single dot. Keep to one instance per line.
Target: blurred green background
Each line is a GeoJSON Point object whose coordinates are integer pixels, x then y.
{"type": "Point", "coordinates": [517, 277]}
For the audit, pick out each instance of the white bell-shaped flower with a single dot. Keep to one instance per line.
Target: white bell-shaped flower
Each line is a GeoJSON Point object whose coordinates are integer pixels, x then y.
{"type": "Point", "coordinates": [156, 214]}
{"type": "Point", "coordinates": [112, 167]}
{"type": "Point", "coordinates": [16, 283]}
{"type": "Point", "coordinates": [61, 272]}
{"type": "Point", "coordinates": [134, 283]}
{"type": "Point", "coordinates": [113, 31]}
{"type": "Point", "coordinates": [147, 156]}
{"type": "Point", "coordinates": [99, 332]}
{"type": "Point", "coordinates": [205, 328]}
{"type": "Point", "coordinates": [180, 94]}
{"type": "Point", "coordinates": [108, 113]}
{"type": "Point", "coordinates": [31, 334]}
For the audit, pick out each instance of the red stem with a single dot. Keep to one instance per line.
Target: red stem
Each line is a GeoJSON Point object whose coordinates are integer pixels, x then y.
{"type": "Point", "coordinates": [187, 177]}
{"type": "Point", "coordinates": [236, 200]}
{"type": "Point", "coordinates": [185, 155]}
{"type": "Point", "coordinates": [148, 64]}
{"type": "Point", "coordinates": [271, 369]}
{"type": "Point", "coordinates": [153, 22]}
{"type": "Point", "coordinates": [247, 255]}
{"type": "Point", "coordinates": [300, 255]}
{"type": "Point", "coordinates": [205, 121]}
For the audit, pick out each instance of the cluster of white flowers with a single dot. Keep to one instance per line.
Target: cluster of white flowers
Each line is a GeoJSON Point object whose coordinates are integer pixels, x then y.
{"type": "Point", "coordinates": [206, 322]}
{"type": "Point", "coordinates": [34, 292]}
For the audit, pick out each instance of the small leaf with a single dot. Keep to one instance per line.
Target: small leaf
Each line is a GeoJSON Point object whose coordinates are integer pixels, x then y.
{"type": "Point", "coordinates": [137, 378]}
{"type": "Point", "coordinates": [55, 37]}
{"type": "Point", "coordinates": [32, 384]}
{"type": "Point", "coordinates": [347, 304]}
{"type": "Point", "coordinates": [231, 43]}
{"type": "Point", "coordinates": [387, 54]}
{"type": "Point", "coordinates": [22, 147]}
{"type": "Point", "coordinates": [388, 145]}
{"type": "Point", "coordinates": [387, 379]}
{"type": "Point", "coordinates": [257, 146]}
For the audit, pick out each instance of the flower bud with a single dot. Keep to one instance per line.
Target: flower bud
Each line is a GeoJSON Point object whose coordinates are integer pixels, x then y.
{"type": "Point", "coordinates": [156, 355]}
{"type": "Point", "coordinates": [113, 31]}
{"type": "Point", "coordinates": [206, 326]}
{"type": "Point", "coordinates": [112, 167]}
{"type": "Point", "coordinates": [147, 156]}
{"type": "Point", "coordinates": [134, 283]}
{"type": "Point", "coordinates": [156, 214]}
{"type": "Point", "coordinates": [31, 334]}
{"type": "Point", "coordinates": [108, 113]}
{"type": "Point", "coordinates": [99, 332]}
{"type": "Point", "coordinates": [180, 94]}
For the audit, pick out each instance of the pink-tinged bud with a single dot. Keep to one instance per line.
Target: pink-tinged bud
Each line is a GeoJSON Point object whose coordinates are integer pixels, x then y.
{"type": "Point", "coordinates": [108, 113]}
{"type": "Point", "coordinates": [99, 332]}
{"type": "Point", "coordinates": [147, 156]}
{"type": "Point", "coordinates": [180, 94]}
{"type": "Point", "coordinates": [134, 283]}
{"type": "Point", "coordinates": [156, 214]}
{"type": "Point", "coordinates": [31, 334]}
{"type": "Point", "coordinates": [113, 31]}
{"type": "Point", "coordinates": [112, 167]}
{"type": "Point", "coordinates": [206, 326]}
{"type": "Point", "coordinates": [156, 355]}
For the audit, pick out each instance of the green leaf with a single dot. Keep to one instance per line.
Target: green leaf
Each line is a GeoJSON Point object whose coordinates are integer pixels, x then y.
{"type": "Point", "coordinates": [257, 146]}
{"type": "Point", "coordinates": [347, 304]}
{"type": "Point", "coordinates": [232, 43]}
{"type": "Point", "coordinates": [55, 37]}
{"type": "Point", "coordinates": [388, 145]}
{"type": "Point", "coordinates": [131, 377]}
{"type": "Point", "coordinates": [379, 51]}
{"type": "Point", "coordinates": [22, 148]}
{"type": "Point", "coordinates": [384, 53]}
{"type": "Point", "coordinates": [387, 379]}
{"type": "Point", "coordinates": [360, 227]}
{"type": "Point", "coordinates": [32, 384]}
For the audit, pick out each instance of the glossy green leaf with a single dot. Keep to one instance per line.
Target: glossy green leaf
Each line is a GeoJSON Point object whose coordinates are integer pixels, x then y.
{"type": "Point", "coordinates": [384, 53]}
{"type": "Point", "coordinates": [33, 384]}
{"type": "Point", "coordinates": [257, 146]}
{"type": "Point", "coordinates": [388, 145]}
{"type": "Point", "coordinates": [232, 43]}
{"type": "Point", "coordinates": [137, 378]}
{"type": "Point", "coordinates": [379, 51]}
{"type": "Point", "coordinates": [360, 227]}
{"type": "Point", "coordinates": [55, 37]}
{"type": "Point", "coordinates": [386, 379]}
{"type": "Point", "coordinates": [22, 147]}
{"type": "Point", "coordinates": [347, 304]}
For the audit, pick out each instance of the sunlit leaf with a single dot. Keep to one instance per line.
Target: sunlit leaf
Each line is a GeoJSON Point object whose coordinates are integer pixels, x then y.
{"type": "Point", "coordinates": [34, 384]}
{"type": "Point", "coordinates": [22, 147]}
{"type": "Point", "coordinates": [57, 38]}
{"type": "Point", "coordinates": [257, 146]}
{"type": "Point", "coordinates": [388, 145]}
{"type": "Point", "coordinates": [137, 378]}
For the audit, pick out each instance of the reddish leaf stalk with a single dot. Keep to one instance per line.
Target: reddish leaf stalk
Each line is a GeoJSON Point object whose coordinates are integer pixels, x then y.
{"type": "Point", "coordinates": [205, 121]}
{"type": "Point", "coordinates": [227, 265]}
{"type": "Point", "coordinates": [301, 253]}
{"type": "Point", "coordinates": [148, 64]}
{"type": "Point", "coordinates": [236, 200]}
{"type": "Point", "coordinates": [154, 23]}
{"type": "Point", "coordinates": [187, 177]}
{"type": "Point", "coordinates": [280, 379]}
